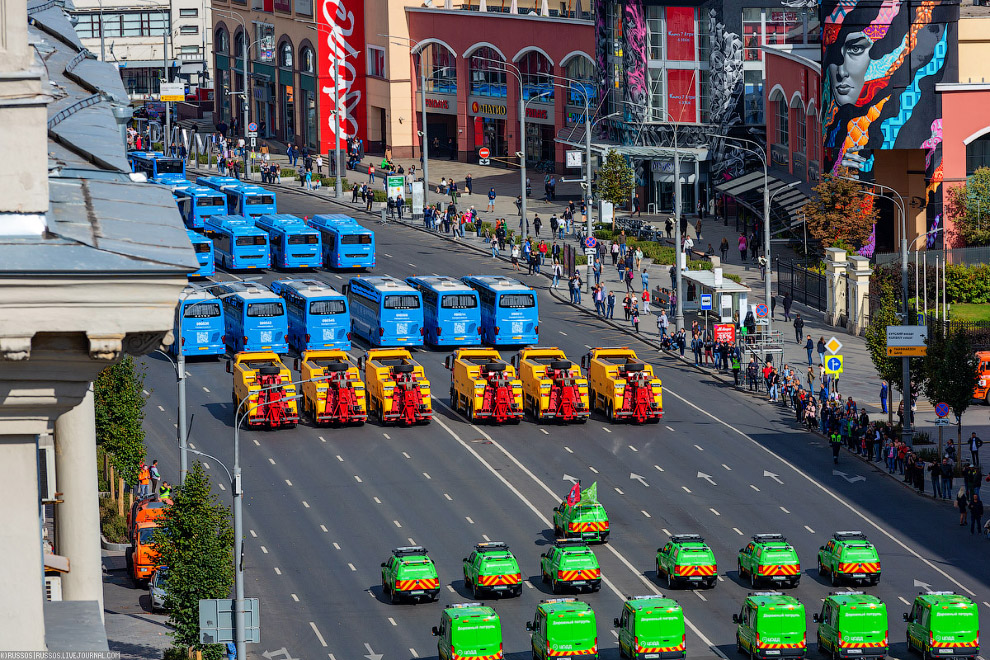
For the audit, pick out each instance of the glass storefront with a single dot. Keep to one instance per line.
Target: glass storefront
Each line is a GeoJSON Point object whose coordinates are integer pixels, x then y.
{"type": "Point", "coordinates": [288, 111]}
{"type": "Point", "coordinates": [539, 143]}
{"type": "Point", "coordinates": [491, 133]}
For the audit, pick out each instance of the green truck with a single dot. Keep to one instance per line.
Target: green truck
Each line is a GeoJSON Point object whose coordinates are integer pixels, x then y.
{"type": "Point", "coordinates": [849, 556]}
{"type": "Point", "coordinates": [583, 519]}
{"type": "Point", "coordinates": [570, 563]}
{"type": "Point", "coordinates": [941, 624]}
{"type": "Point", "coordinates": [769, 558]}
{"type": "Point", "coordinates": [469, 631]}
{"type": "Point", "coordinates": [687, 560]}
{"type": "Point", "coordinates": [491, 567]}
{"type": "Point", "coordinates": [852, 624]}
{"type": "Point", "coordinates": [409, 573]}
{"type": "Point", "coordinates": [771, 625]}
{"type": "Point", "coordinates": [564, 629]}
{"type": "Point", "coordinates": [651, 627]}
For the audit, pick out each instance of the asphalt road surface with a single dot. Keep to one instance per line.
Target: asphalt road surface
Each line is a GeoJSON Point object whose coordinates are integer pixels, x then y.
{"type": "Point", "coordinates": [324, 506]}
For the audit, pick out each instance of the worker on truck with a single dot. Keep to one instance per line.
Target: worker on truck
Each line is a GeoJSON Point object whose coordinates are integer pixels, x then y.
{"type": "Point", "coordinates": [553, 387]}
{"type": "Point", "coordinates": [484, 386]}
{"type": "Point", "coordinates": [332, 389]}
{"type": "Point", "coordinates": [260, 377]}
{"type": "Point", "coordinates": [622, 387]}
{"type": "Point", "coordinates": [398, 391]}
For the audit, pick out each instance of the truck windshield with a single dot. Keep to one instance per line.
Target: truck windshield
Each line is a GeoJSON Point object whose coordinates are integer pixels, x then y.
{"type": "Point", "coordinates": [145, 535]}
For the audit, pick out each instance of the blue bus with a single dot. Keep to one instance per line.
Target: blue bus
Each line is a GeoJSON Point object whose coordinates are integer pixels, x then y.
{"type": "Point", "coordinates": [158, 166]}
{"type": "Point", "coordinates": [199, 325]}
{"type": "Point", "coordinates": [385, 311]}
{"type": "Point", "coordinates": [237, 242]}
{"type": "Point", "coordinates": [346, 244]}
{"type": "Point", "coordinates": [196, 203]}
{"type": "Point", "coordinates": [451, 310]}
{"type": "Point", "coordinates": [294, 244]}
{"type": "Point", "coordinates": [254, 317]}
{"type": "Point", "coordinates": [242, 198]}
{"type": "Point", "coordinates": [318, 315]}
{"type": "Point", "coordinates": [204, 253]}
{"type": "Point", "coordinates": [509, 311]}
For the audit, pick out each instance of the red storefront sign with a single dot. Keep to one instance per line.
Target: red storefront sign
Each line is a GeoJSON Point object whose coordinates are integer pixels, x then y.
{"type": "Point", "coordinates": [725, 332]}
{"type": "Point", "coordinates": [437, 104]}
{"type": "Point", "coordinates": [680, 34]}
{"type": "Point", "coordinates": [682, 94]}
{"type": "Point", "coordinates": [536, 113]}
{"type": "Point", "coordinates": [340, 24]}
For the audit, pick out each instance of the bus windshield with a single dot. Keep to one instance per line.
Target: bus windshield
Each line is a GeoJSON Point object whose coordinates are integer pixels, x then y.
{"type": "Point", "coordinates": [459, 301]}
{"type": "Point", "coordinates": [325, 307]}
{"type": "Point", "coordinates": [211, 200]}
{"type": "Point", "coordinates": [251, 200]}
{"type": "Point", "coordinates": [267, 309]}
{"type": "Point", "coordinates": [203, 310]}
{"type": "Point", "coordinates": [401, 302]}
{"type": "Point", "coordinates": [516, 300]}
{"type": "Point", "coordinates": [303, 239]}
{"type": "Point", "coordinates": [169, 166]}
{"type": "Point", "coordinates": [356, 239]}
{"type": "Point", "coordinates": [251, 240]}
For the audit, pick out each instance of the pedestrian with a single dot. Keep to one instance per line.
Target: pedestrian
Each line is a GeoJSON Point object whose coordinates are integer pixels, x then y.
{"type": "Point", "coordinates": [798, 331]}
{"type": "Point", "coordinates": [742, 247]}
{"type": "Point", "coordinates": [787, 302]}
{"type": "Point", "coordinates": [627, 305]}
{"type": "Point", "coordinates": [961, 504]}
{"type": "Point", "coordinates": [935, 469]}
{"type": "Point", "coordinates": [697, 230]}
{"type": "Point", "coordinates": [646, 301]}
{"type": "Point", "coordinates": [884, 391]}
{"type": "Point", "coordinates": [469, 184]}
{"type": "Point", "coordinates": [596, 269]}
{"type": "Point", "coordinates": [319, 165]}
{"type": "Point", "coordinates": [166, 491]}
{"type": "Point", "coordinates": [155, 475]}
{"type": "Point", "coordinates": [635, 319]}
{"type": "Point", "coordinates": [974, 448]}
{"type": "Point", "coordinates": [947, 474]}
{"type": "Point", "coordinates": [491, 200]}
{"type": "Point", "coordinates": [736, 367]}
{"type": "Point", "coordinates": [622, 244]}
{"type": "Point", "coordinates": [558, 270]}
{"type": "Point", "coordinates": [821, 350]}
{"type": "Point", "coordinates": [515, 257]}
{"type": "Point", "coordinates": [371, 173]}
{"type": "Point", "coordinates": [636, 209]}
{"type": "Point", "coordinates": [975, 514]}
{"type": "Point", "coordinates": [835, 441]}
{"type": "Point", "coordinates": [610, 305]}
{"type": "Point", "coordinates": [723, 249]}
{"type": "Point", "coordinates": [144, 480]}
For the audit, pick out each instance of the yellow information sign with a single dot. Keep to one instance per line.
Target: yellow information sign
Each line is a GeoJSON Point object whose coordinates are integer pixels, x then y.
{"type": "Point", "coordinates": [833, 364]}
{"type": "Point", "coordinates": [907, 351]}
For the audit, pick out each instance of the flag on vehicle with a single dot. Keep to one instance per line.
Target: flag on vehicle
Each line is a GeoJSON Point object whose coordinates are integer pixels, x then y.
{"type": "Point", "coordinates": [590, 494]}
{"type": "Point", "coordinates": [574, 496]}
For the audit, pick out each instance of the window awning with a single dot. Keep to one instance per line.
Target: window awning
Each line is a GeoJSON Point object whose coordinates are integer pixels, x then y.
{"type": "Point", "coordinates": [786, 199]}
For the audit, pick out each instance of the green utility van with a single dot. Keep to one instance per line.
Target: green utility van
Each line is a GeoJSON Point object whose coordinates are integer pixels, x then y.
{"type": "Point", "coordinates": [942, 623]}
{"type": "Point", "coordinates": [585, 520]}
{"type": "Point", "coordinates": [410, 573]}
{"type": "Point", "coordinates": [771, 625]}
{"type": "Point", "coordinates": [852, 624]}
{"type": "Point", "coordinates": [491, 567]}
{"type": "Point", "coordinates": [849, 556]}
{"type": "Point", "coordinates": [564, 629]}
{"type": "Point", "coordinates": [651, 627]}
{"type": "Point", "coordinates": [469, 631]}
{"type": "Point", "coordinates": [769, 558]}
{"type": "Point", "coordinates": [570, 563]}
{"type": "Point", "coordinates": [687, 560]}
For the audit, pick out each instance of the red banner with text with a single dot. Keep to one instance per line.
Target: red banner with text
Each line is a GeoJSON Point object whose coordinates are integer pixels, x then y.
{"type": "Point", "coordinates": [340, 24]}
{"type": "Point", "coordinates": [680, 34]}
{"type": "Point", "coordinates": [682, 94]}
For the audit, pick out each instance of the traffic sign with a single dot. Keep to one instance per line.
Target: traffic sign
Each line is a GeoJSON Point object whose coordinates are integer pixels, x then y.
{"type": "Point", "coordinates": [590, 242]}
{"type": "Point", "coordinates": [254, 142]}
{"type": "Point", "coordinates": [484, 152]}
{"type": "Point", "coordinates": [252, 134]}
{"type": "Point", "coordinates": [484, 161]}
{"type": "Point", "coordinates": [941, 421]}
{"type": "Point", "coordinates": [833, 345]}
{"type": "Point", "coordinates": [253, 127]}
{"type": "Point", "coordinates": [172, 92]}
{"type": "Point", "coordinates": [761, 311]}
{"type": "Point", "coordinates": [590, 252]}
{"type": "Point", "coordinates": [942, 410]}
{"type": "Point", "coordinates": [706, 302]}
{"type": "Point", "coordinates": [833, 364]}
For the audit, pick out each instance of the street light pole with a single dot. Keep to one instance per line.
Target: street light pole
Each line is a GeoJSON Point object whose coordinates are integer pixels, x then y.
{"type": "Point", "coordinates": [424, 135]}
{"type": "Point", "coordinates": [517, 74]}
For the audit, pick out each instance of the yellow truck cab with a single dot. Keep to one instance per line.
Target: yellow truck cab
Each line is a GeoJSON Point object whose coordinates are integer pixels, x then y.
{"type": "Point", "coordinates": [142, 557]}
{"type": "Point", "coordinates": [334, 393]}
{"type": "Point", "coordinates": [266, 384]}
{"type": "Point", "coordinates": [622, 386]}
{"type": "Point", "coordinates": [484, 386]}
{"type": "Point", "coordinates": [398, 391]}
{"type": "Point", "coordinates": [553, 387]}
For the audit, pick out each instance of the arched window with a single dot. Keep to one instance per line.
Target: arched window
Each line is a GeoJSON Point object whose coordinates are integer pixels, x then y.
{"type": "Point", "coordinates": [238, 44]}
{"type": "Point", "coordinates": [978, 154]}
{"type": "Point", "coordinates": [221, 41]}
{"type": "Point", "coordinates": [441, 68]}
{"type": "Point", "coordinates": [285, 55]}
{"type": "Point", "coordinates": [487, 73]}
{"type": "Point", "coordinates": [800, 127]}
{"type": "Point", "coordinates": [536, 69]}
{"type": "Point", "coordinates": [581, 69]}
{"type": "Point", "coordinates": [781, 116]}
{"type": "Point", "coordinates": [307, 60]}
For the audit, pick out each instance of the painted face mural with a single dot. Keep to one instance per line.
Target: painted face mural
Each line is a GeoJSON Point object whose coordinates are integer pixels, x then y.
{"type": "Point", "coordinates": [849, 75]}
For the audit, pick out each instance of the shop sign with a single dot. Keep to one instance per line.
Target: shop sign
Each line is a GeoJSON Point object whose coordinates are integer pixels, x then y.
{"type": "Point", "coordinates": [444, 104]}
{"type": "Point", "coordinates": [575, 116]}
{"type": "Point", "coordinates": [486, 108]}
{"type": "Point", "coordinates": [539, 114]}
{"type": "Point", "coordinates": [340, 25]}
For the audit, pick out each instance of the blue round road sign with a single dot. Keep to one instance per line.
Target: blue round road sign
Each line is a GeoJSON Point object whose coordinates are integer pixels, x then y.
{"type": "Point", "coordinates": [761, 311]}
{"type": "Point", "coordinates": [834, 363]}
{"type": "Point", "coordinates": [590, 242]}
{"type": "Point", "coordinates": [942, 410]}
{"type": "Point", "coordinates": [252, 127]}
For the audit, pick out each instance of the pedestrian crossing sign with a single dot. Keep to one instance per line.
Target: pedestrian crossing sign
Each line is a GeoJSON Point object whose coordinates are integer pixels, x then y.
{"type": "Point", "coordinates": [833, 364]}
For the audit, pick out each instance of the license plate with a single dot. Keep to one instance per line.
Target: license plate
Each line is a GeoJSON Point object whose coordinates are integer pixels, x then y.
{"type": "Point", "coordinates": [773, 652]}
{"type": "Point", "coordinates": [854, 651]}
{"type": "Point", "coordinates": [501, 587]}
{"type": "Point", "coordinates": [946, 651]}
{"type": "Point", "coordinates": [777, 577]}
{"type": "Point", "coordinates": [859, 575]}
{"type": "Point", "coordinates": [518, 337]}
{"type": "Point", "coordinates": [579, 582]}
{"type": "Point", "coordinates": [652, 655]}
{"type": "Point", "coordinates": [418, 592]}
{"type": "Point", "coordinates": [695, 577]}
{"type": "Point", "coordinates": [588, 534]}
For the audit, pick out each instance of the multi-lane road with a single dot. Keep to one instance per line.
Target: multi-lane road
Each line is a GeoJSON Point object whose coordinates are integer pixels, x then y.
{"type": "Point", "coordinates": [324, 506]}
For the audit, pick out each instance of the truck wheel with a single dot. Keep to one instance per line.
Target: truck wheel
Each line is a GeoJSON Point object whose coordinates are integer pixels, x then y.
{"type": "Point", "coordinates": [475, 592]}
{"type": "Point", "coordinates": [821, 568]}
{"type": "Point", "coordinates": [739, 569]}
{"type": "Point", "coordinates": [670, 581]}
{"type": "Point", "coordinates": [392, 597]}
{"type": "Point", "coordinates": [543, 577]}
{"type": "Point", "coordinates": [739, 648]}
{"type": "Point", "coordinates": [553, 586]}
{"type": "Point", "coordinates": [752, 579]}
{"type": "Point", "coordinates": [834, 578]}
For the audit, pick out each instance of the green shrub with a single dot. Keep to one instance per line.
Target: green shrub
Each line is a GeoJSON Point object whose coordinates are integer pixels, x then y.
{"type": "Point", "coordinates": [604, 234]}
{"type": "Point", "coordinates": [732, 276]}
{"type": "Point", "coordinates": [176, 653]}
{"type": "Point", "coordinates": [113, 526]}
{"type": "Point", "coordinates": [469, 226]}
{"type": "Point", "coordinates": [580, 260]}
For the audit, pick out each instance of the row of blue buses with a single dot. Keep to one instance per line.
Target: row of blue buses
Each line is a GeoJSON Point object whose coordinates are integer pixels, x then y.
{"type": "Point", "coordinates": [254, 317]}
{"type": "Point", "coordinates": [243, 198]}
{"type": "Point", "coordinates": [237, 243]}
{"type": "Point", "coordinates": [346, 244]}
{"type": "Point", "coordinates": [196, 203]}
{"type": "Point", "coordinates": [199, 325]}
{"type": "Point", "coordinates": [156, 165]}
{"type": "Point", "coordinates": [509, 311]}
{"type": "Point", "coordinates": [294, 244]}
{"type": "Point", "coordinates": [451, 312]}
{"type": "Point", "coordinates": [318, 314]}
{"type": "Point", "coordinates": [385, 311]}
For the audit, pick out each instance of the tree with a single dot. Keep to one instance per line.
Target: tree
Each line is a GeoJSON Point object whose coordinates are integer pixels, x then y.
{"type": "Point", "coordinates": [119, 403]}
{"type": "Point", "coordinates": [968, 206]}
{"type": "Point", "coordinates": [840, 213]}
{"type": "Point", "coordinates": [950, 371]}
{"type": "Point", "coordinates": [889, 369]}
{"type": "Point", "coordinates": [615, 179]}
{"type": "Point", "coordinates": [195, 540]}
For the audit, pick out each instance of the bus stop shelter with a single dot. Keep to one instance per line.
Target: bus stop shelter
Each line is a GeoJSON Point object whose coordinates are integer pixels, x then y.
{"type": "Point", "coordinates": [729, 300]}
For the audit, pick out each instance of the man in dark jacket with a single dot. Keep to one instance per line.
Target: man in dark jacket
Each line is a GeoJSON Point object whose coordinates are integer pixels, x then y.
{"type": "Point", "coordinates": [798, 331]}
{"type": "Point", "coordinates": [975, 515]}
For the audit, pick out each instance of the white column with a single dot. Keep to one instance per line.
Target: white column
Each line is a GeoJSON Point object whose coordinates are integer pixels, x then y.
{"type": "Point", "coordinates": [22, 623]}
{"type": "Point", "coordinates": [78, 519]}
{"type": "Point", "coordinates": [835, 267]}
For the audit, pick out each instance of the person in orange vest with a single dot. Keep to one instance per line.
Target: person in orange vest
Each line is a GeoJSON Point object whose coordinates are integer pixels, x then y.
{"type": "Point", "coordinates": [144, 480]}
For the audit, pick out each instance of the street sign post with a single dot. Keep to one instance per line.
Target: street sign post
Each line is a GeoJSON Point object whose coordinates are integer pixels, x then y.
{"type": "Point", "coordinates": [833, 345]}
{"type": "Point", "coordinates": [216, 621]}
{"type": "Point", "coordinates": [484, 152]}
{"type": "Point", "coordinates": [706, 302]}
{"type": "Point", "coordinates": [172, 92]}
{"type": "Point", "coordinates": [253, 127]}
{"type": "Point", "coordinates": [907, 340]}
{"type": "Point", "coordinates": [254, 142]}
{"type": "Point", "coordinates": [590, 242]}
{"type": "Point", "coordinates": [761, 311]}
{"type": "Point", "coordinates": [591, 253]}
{"type": "Point", "coordinates": [833, 364]}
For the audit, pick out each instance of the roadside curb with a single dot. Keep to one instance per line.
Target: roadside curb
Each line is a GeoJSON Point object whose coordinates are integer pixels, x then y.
{"type": "Point", "coordinates": [107, 545]}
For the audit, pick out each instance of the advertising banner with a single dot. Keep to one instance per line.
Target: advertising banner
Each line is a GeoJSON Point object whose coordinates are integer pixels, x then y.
{"type": "Point", "coordinates": [340, 24]}
{"type": "Point", "coordinates": [682, 95]}
{"type": "Point", "coordinates": [725, 332]}
{"type": "Point", "coordinates": [680, 34]}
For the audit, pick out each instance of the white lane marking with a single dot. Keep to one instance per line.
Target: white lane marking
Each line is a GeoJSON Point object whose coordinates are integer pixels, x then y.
{"type": "Point", "coordinates": [587, 345]}
{"type": "Point", "coordinates": [614, 634]}
{"type": "Point", "coordinates": [901, 598]}
{"type": "Point", "coordinates": [253, 535]}
{"type": "Point", "coordinates": [413, 652]}
{"type": "Point", "coordinates": [336, 546]}
{"type": "Point", "coordinates": [593, 469]}
{"type": "Point", "coordinates": [545, 432]}
{"type": "Point", "coordinates": [272, 461]}
{"type": "Point", "coordinates": [754, 488]}
{"type": "Point", "coordinates": [633, 448]}
{"type": "Point", "coordinates": [205, 389]}
{"type": "Point", "coordinates": [340, 458]}
{"type": "Point", "coordinates": [338, 276]}
{"type": "Point", "coordinates": [737, 531]}
{"type": "Point", "coordinates": [427, 475]}
{"type": "Point", "coordinates": [645, 513]}
{"type": "Point", "coordinates": [358, 479]}
{"type": "Point", "coordinates": [206, 465]}
{"type": "Point", "coordinates": [256, 443]}
{"type": "Point", "coordinates": [392, 621]}
{"type": "Point", "coordinates": [410, 539]}
{"type": "Point", "coordinates": [784, 510]}
{"type": "Point", "coordinates": [397, 524]}
{"type": "Point", "coordinates": [323, 642]}
{"type": "Point", "coordinates": [658, 468]}
{"type": "Point", "coordinates": [146, 392]}
{"type": "Point", "coordinates": [449, 498]}
{"type": "Point", "coordinates": [468, 518]}
{"type": "Point", "coordinates": [669, 428]}
{"type": "Point", "coordinates": [222, 487]}
{"type": "Point", "coordinates": [377, 501]}
{"type": "Point", "coordinates": [664, 530]}
{"type": "Point", "coordinates": [351, 566]}
{"type": "Point", "coordinates": [387, 255]}
{"type": "Point", "coordinates": [720, 578]}
{"type": "Point", "coordinates": [160, 408]}
{"type": "Point", "coordinates": [686, 489]}
{"type": "Point", "coordinates": [529, 584]}
{"type": "Point", "coordinates": [450, 589]}
{"type": "Point", "coordinates": [813, 531]}
{"type": "Point", "coordinates": [295, 597]}
{"type": "Point", "coordinates": [322, 439]}
{"type": "Point", "coordinates": [546, 521]}
{"type": "Point", "coordinates": [831, 494]}
{"type": "Point", "coordinates": [278, 571]}
{"type": "Point", "coordinates": [264, 549]}
{"type": "Point", "coordinates": [699, 448]}
{"type": "Point", "coordinates": [324, 528]}
{"type": "Point", "coordinates": [413, 265]}
{"type": "Point", "coordinates": [406, 455]}
{"type": "Point", "coordinates": [288, 483]}
{"type": "Point", "coordinates": [305, 504]}
{"type": "Point", "coordinates": [619, 491]}
{"type": "Point", "coordinates": [606, 429]}
{"type": "Point", "coordinates": [567, 449]}
{"type": "Point", "coordinates": [175, 426]}
{"type": "Point", "coordinates": [562, 332]}
{"type": "Point", "coordinates": [485, 536]}
{"type": "Point", "coordinates": [698, 594]}
{"type": "Point", "coordinates": [388, 437]}
{"type": "Point", "coordinates": [714, 511]}
{"type": "Point", "coordinates": [986, 603]}
{"type": "Point", "coordinates": [726, 467]}
{"type": "Point", "coordinates": [191, 445]}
